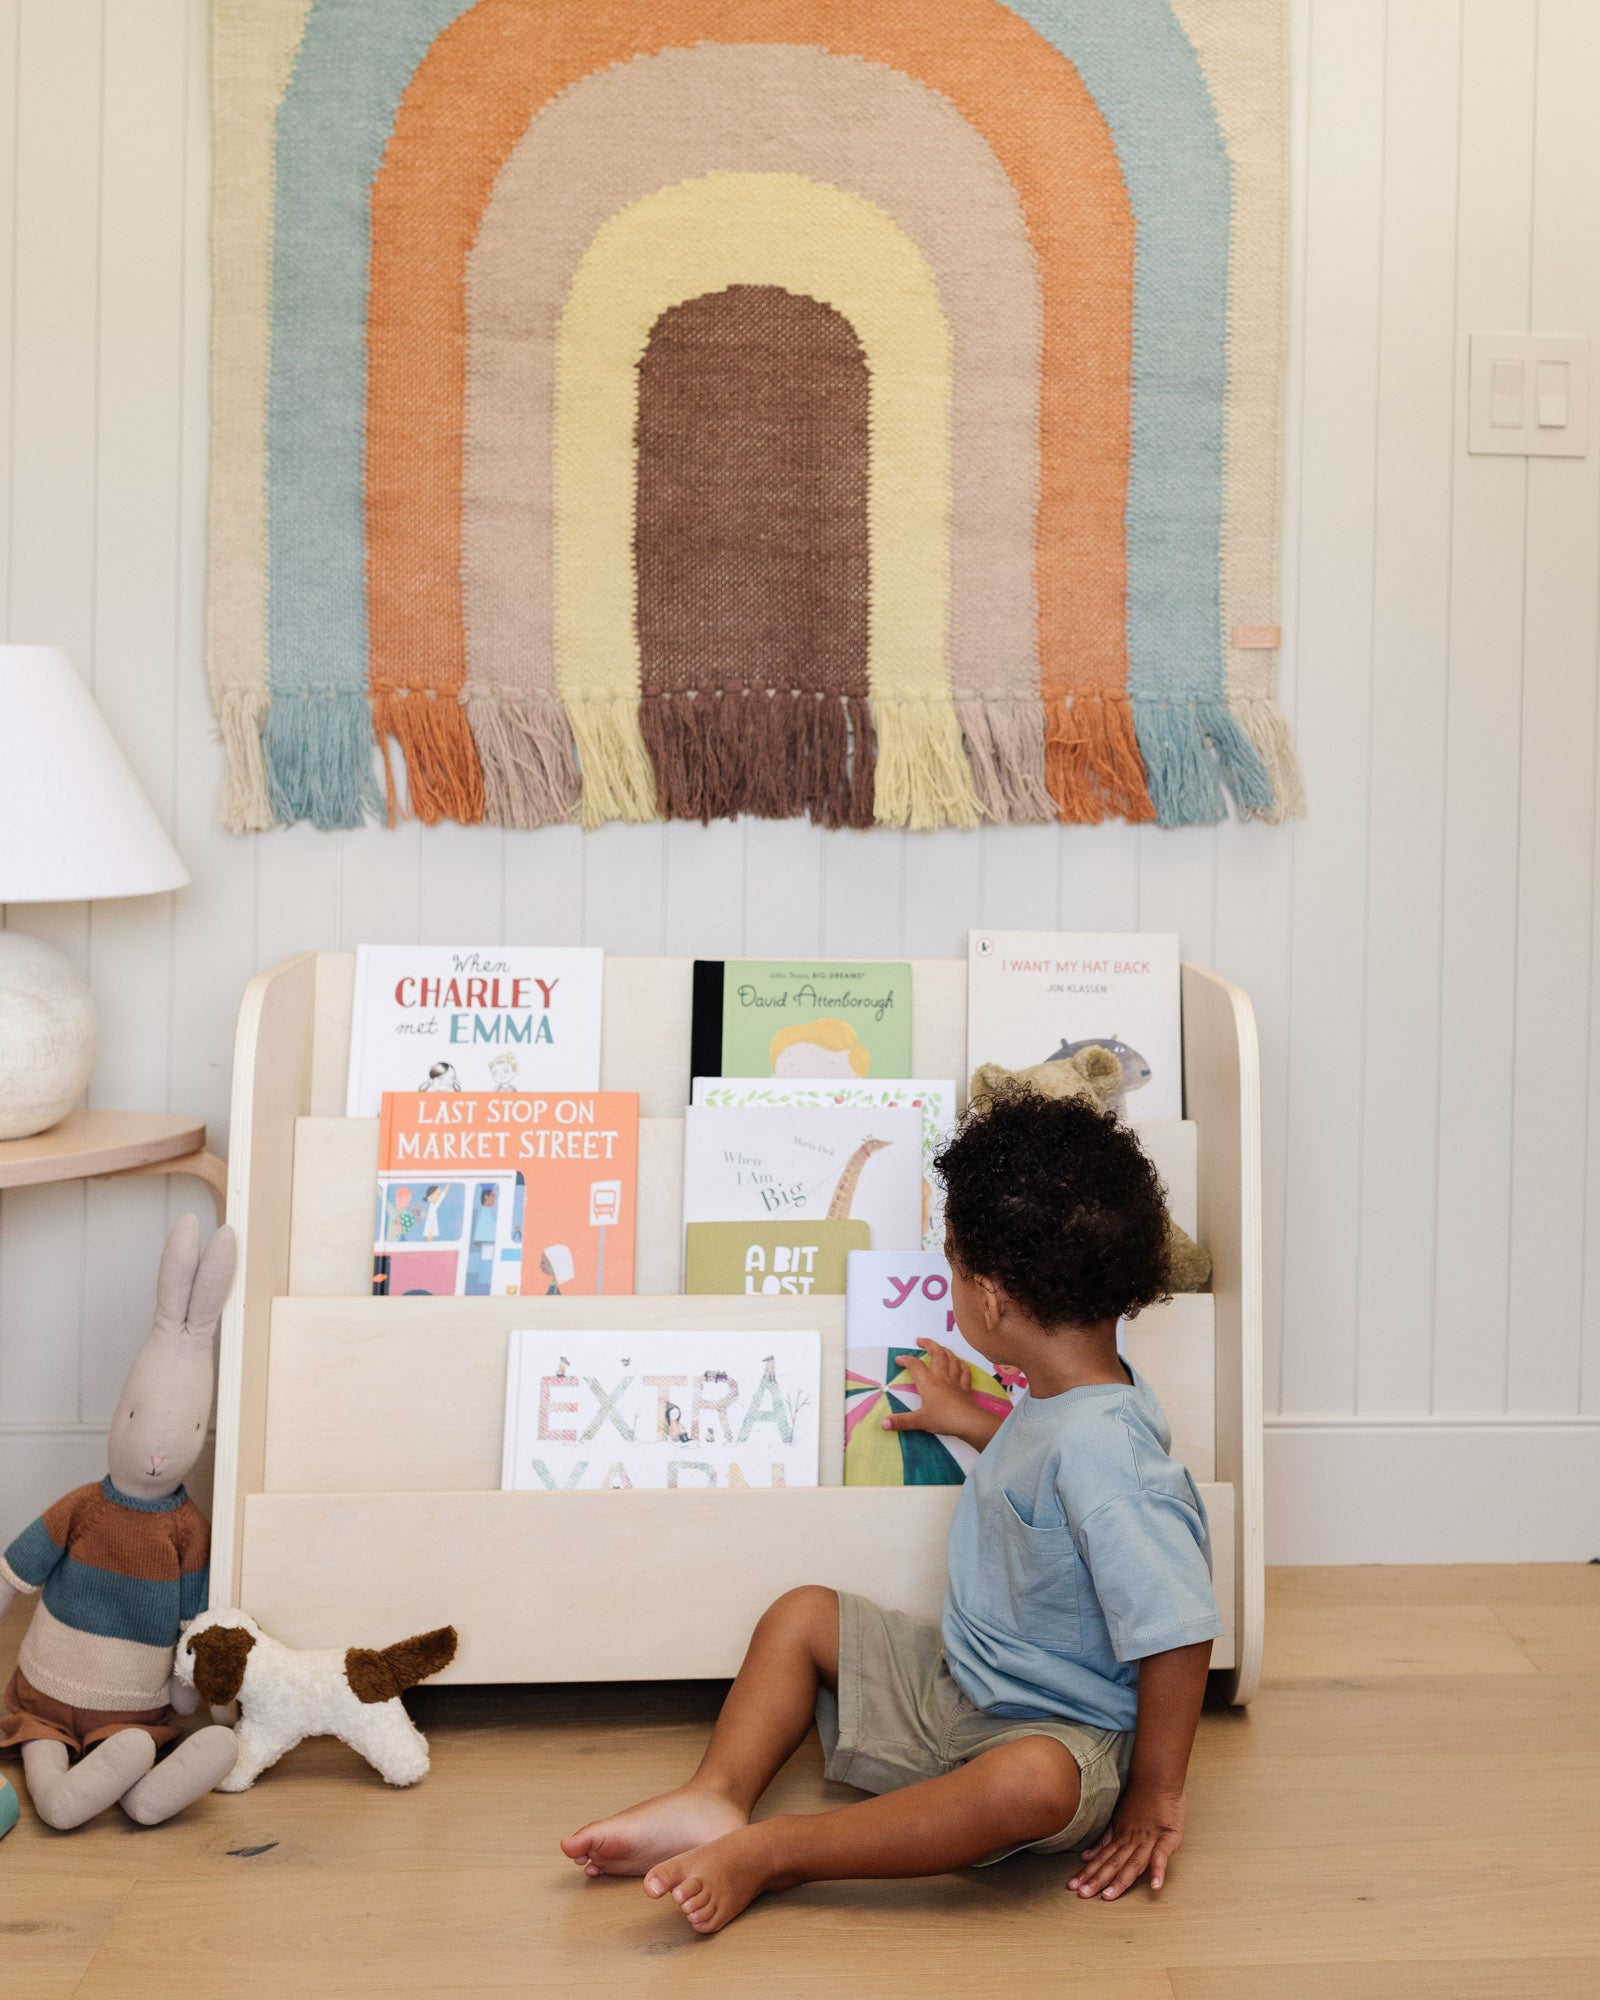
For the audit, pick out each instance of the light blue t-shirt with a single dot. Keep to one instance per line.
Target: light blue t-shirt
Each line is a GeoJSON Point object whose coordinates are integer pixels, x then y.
{"type": "Point", "coordinates": [1077, 1549]}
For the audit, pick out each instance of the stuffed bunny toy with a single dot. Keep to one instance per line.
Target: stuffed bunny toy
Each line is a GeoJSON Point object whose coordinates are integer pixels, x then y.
{"type": "Point", "coordinates": [123, 1567]}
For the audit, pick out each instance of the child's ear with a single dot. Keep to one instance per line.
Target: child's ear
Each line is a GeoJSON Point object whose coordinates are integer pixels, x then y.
{"type": "Point", "coordinates": [993, 1303]}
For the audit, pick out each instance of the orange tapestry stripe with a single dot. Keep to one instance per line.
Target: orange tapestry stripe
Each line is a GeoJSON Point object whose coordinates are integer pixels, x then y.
{"type": "Point", "coordinates": [470, 101]}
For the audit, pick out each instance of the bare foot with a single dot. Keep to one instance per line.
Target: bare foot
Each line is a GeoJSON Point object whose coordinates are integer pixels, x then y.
{"type": "Point", "coordinates": [712, 1884]}
{"type": "Point", "coordinates": [632, 1842]}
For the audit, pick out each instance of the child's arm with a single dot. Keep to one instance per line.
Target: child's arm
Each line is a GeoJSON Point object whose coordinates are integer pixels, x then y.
{"type": "Point", "coordinates": [1146, 1829]}
{"type": "Point", "coordinates": [948, 1407]}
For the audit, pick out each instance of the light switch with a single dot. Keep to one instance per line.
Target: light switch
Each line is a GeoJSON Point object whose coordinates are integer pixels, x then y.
{"type": "Point", "coordinates": [1505, 395]}
{"type": "Point", "coordinates": [1553, 401]}
{"type": "Point", "coordinates": [1528, 395]}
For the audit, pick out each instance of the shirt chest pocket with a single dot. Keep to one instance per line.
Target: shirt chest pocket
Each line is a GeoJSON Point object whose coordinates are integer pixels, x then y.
{"type": "Point", "coordinates": [1039, 1568]}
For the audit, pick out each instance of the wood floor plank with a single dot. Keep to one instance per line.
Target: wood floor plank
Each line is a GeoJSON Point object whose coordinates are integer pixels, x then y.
{"type": "Point", "coordinates": [1479, 1979]}
{"type": "Point", "coordinates": [1380, 1642]}
{"type": "Point", "coordinates": [1454, 1583]}
{"type": "Point", "coordinates": [51, 1929]}
{"type": "Point", "coordinates": [1558, 1638]}
{"type": "Point", "coordinates": [1377, 1826]}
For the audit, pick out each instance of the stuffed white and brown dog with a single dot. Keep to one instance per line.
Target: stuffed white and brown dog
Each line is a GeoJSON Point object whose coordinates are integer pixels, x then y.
{"type": "Point", "coordinates": [286, 1695]}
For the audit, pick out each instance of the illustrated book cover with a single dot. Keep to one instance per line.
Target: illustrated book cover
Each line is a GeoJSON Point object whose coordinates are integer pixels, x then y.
{"type": "Point", "coordinates": [771, 1259]}
{"type": "Point", "coordinates": [892, 1304]}
{"type": "Point", "coordinates": [935, 1099]}
{"type": "Point", "coordinates": [487, 1194]}
{"type": "Point", "coordinates": [589, 1411]}
{"type": "Point", "coordinates": [444, 1018]}
{"type": "Point", "coordinates": [1042, 996]}
{"type": "Point", "coordinates": [776, 1163]}
{"type": "Point", "coordinates": [844, 1019]}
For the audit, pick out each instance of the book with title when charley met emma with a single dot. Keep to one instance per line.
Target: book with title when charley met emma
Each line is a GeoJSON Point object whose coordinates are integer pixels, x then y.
{"type": "Point", "coordinates": [443, 1018]}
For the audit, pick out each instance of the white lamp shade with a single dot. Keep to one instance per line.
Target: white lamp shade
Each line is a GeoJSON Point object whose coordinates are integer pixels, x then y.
{"type": "Point", "coordinates": [74, 824]}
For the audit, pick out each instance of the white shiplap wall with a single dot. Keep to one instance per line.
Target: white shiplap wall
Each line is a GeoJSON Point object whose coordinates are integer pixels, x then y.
{"type": "Point", "coordinates": [1420, 950]}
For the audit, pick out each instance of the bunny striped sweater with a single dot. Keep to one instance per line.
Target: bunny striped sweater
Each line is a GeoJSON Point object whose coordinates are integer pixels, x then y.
{"type": "Point", "coordinates": [119, 1577]}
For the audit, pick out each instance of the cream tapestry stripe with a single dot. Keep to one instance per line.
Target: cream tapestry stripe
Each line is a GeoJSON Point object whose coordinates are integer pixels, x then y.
{"type": "Point", "coordinates": [678, 244]}
{"type": "Point", "coordinates": [253, 44]}
{"type": "Point", "coordinates": [1241, 47]}
{"type": "Point", "coordinates": [835, 119]}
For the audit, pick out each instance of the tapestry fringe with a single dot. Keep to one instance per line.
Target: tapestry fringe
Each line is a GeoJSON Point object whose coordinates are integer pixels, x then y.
{"type": "Point", "coordinates": [1192, 750]}
{"type": "Point", "coordinates": [1092, 760]}
{"type": "Point", "coordinates": [773, 754]}
{"type": "Point", "coordinates": [618, 780]}
{"type": "Point", "coordinates": [443, 778]}
{"type": "Point", "coordinates": [1261, 719]}
{"type": "Point", "coordinates": [923, 777]}
{"type": "Point", "coordinates": [527, 756]}
{"type": "Point", "coordinates": [241, 718]}
{"type": "Point", "coordinates": [1006, 750]}
{"type": "Point", "coordinates": [318, 752]}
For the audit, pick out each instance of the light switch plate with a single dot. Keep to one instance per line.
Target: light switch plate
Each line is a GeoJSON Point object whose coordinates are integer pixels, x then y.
{"type": "Point", "coordinates": [1528, 395]}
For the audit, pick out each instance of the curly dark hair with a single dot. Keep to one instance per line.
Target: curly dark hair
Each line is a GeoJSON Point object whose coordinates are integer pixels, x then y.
{"type": "Point", "coordinates": [1057, 1201]}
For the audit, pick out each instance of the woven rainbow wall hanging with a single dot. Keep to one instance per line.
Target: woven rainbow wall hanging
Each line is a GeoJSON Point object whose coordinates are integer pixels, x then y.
{"type": "Point", "coordinates": [635, 409]}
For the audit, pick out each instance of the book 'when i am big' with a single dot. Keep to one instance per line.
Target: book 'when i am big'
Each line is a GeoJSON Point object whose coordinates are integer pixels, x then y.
{"type": "Point", "coordinates": [488, 1194]}
{"type": "Point", "coordinates": [447, 1018]}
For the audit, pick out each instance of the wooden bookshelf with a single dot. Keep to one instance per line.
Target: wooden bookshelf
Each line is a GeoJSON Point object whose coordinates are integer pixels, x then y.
{"type": "Point", "coordinates": [358, 1439]}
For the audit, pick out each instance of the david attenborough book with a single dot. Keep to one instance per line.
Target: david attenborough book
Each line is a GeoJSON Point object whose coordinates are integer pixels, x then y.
{"type": "Point", "coordinates": [840, 1019]}
{"type": "Point", "coordinates": [893, 1303]}
{"type": "Point", "coordinates": [588, 1411]}
{"type": "Point", "coordinates": [485, 1194]}
{"type": "Point", "coordinates": [774, 1163]}
{"type": "Point", "coordinates": [448, 1018]}
{"type": "Point", "coordinates": [770, 1259]}
{"type": "Point", "coordinates": [1044, 996]}
{"type": "Point", "coordinates": [935, 1099]}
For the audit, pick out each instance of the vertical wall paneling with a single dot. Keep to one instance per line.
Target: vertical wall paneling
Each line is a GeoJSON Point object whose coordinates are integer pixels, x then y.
{"type": "Point", "coordinates": [1555, 834]}
{"type": "Point", "coordinates": [1342, 250]}
{"type": "Point", "coordinates": [138, 487]}
{"type": "Point", "coordinates": [54, 385]}
{"type": "Point", "coordinates": [1422, 951]}
{"type": "Point", "coordinates": [1399, 1040]}
{"type": "Point", "coordinates": [1477, 1017]}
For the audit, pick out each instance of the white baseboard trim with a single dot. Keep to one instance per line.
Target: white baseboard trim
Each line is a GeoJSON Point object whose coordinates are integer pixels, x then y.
{"type": "Point", "coordinates": [1407, 1488]}
{"type": "Point", "coordinates": [41, 1461]}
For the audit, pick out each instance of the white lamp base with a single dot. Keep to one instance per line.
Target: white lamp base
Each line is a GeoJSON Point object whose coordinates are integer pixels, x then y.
{"type": "Point", "coordinates": [47, 1036]}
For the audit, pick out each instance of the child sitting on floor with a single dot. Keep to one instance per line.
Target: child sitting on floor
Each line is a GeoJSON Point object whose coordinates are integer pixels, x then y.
{"type": "Point", "coordinates": [1056, 1709]}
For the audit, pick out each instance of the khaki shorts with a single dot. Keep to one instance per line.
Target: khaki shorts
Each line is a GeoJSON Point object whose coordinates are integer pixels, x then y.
{"type": "Point", "coordinates": [899, 1717]}
{"type": "Point", "coordinates": [28, 1716]}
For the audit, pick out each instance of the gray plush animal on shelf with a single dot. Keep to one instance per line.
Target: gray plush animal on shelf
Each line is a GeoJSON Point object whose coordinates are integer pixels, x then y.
{"type": "Point", "coordinates": [122, 1566]}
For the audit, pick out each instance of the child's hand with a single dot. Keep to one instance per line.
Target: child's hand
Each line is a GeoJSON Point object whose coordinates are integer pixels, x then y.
{"type": "Point", "coordinates": [1146, 1830]}
{"type": "Point", "coordinates": [943, 1383]}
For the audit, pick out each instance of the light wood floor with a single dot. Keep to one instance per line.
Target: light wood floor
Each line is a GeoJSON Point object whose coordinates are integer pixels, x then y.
{"type": "Point", "coordinates": [1411, 1808]}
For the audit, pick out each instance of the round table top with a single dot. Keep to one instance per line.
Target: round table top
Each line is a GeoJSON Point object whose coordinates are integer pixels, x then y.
{"type": "Point", "coordinates": [86, 1143]}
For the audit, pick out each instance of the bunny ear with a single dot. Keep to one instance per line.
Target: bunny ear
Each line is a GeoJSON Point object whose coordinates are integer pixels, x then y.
{"type": "Point", "coordinates": [175, 1278]}
{"type": "Point", "coordinates": [211, 1283]}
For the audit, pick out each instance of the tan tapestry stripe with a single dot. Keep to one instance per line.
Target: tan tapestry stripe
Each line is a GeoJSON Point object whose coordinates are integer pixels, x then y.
{"type": "Point", "coordinates": [1240, 46]}
{"type": "Point", "coordinates": [840, 119]}
{"type": "Point", "coordinates": [253, 44]}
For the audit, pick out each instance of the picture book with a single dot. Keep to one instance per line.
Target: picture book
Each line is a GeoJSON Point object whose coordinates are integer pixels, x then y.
{"type": "Point", "coordinates": [443, 1018]}
{"type": "Point", "coordinates": [847, 1019]}
{"type": "Point", "coordinates": [591, 1411]}
{"type": "Point", "coordinates": [1043, 996]}
{"type": "Point", "coordinates": [484, 1194]}
{"type": "Point", "coordinates": [793, 1259]}
{"type": "Point", "coordinates": [935, 1100]}
{"type": "Point", "coordinates": [775, 1163]}
{"type": "Point", "coordinates": [892, 1304]}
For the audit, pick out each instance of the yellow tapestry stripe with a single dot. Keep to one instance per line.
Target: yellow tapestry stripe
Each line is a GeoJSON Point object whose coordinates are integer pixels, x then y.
{"type": "Point", "coordinates": [819, 241]}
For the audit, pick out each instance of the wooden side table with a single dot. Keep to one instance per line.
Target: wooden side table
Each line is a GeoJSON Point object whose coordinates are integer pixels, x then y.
{"type": "Point", "coordinates": [94, 1145]}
